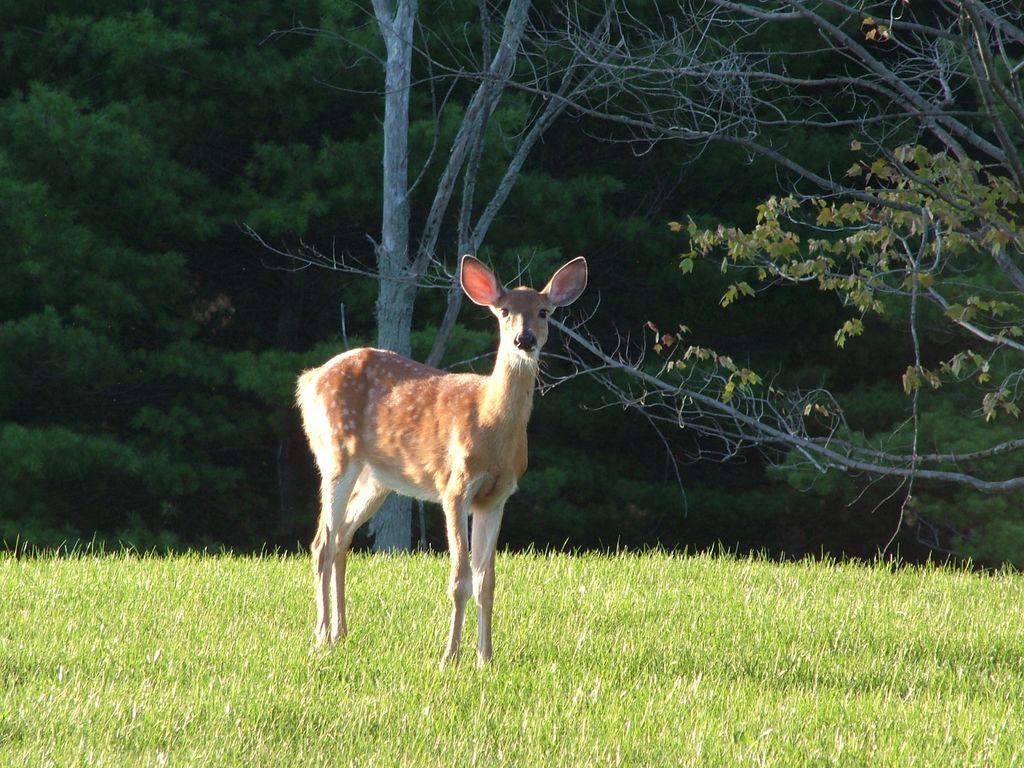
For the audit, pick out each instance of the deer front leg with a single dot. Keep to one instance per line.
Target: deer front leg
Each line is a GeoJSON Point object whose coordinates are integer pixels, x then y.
{"type": "Point", "coordinates": [485, 541]}
{"type": "Point", "coordinates": [459, 584]}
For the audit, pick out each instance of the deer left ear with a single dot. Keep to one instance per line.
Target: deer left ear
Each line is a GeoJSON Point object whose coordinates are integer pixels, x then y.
{"type": "Point", "coordinates": [568, 283]}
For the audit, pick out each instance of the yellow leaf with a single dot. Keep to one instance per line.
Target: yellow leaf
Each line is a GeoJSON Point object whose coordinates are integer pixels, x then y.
{"type": "Point", "coordinates": [855, 145]}
{"type": "Point", "coordinates": [675, 226]}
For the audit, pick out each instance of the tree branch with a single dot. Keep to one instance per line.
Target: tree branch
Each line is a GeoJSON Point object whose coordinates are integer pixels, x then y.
{"type": "Point", "coordinates": [758, 432]}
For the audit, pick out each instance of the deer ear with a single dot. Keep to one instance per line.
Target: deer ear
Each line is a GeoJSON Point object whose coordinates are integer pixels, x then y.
{"type": "Point", "coordinates": [568, 283]}
{"type": "Point", "coordinates": [479, 282]}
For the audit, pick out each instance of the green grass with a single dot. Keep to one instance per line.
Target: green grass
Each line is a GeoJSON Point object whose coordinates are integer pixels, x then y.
{"type": "Point", "coordinates": [634, 660]}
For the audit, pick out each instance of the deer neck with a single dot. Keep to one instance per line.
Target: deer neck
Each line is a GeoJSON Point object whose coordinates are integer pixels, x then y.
{"type": "Point", "coordinates": [508, 391]}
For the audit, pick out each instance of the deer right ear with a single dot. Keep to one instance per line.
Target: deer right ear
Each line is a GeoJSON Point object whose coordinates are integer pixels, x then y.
{"type": "Point", "coordinates": [479, 282]}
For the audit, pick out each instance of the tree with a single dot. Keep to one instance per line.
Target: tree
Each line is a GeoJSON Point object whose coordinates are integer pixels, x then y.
{"type": "Point", "coordinates": [97, 325]}
{"type": "Point", "coordinates": [133, 407]}
{"type": "Point", "coordinates": [402, 265]}
{"type": "Point", "coordinates": [917, 250]}
{"type": "Point", "coordinates": [910, 225]}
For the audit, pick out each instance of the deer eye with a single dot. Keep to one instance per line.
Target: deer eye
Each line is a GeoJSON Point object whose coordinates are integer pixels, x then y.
{"type": "Point", "coordinates": [543, 314]}
{"type": "Point", "coordinates": [504, 312]}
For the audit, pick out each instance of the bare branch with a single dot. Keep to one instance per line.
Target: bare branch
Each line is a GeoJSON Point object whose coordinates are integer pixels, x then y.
{"type": "Point", "coordinates": [753, 428]}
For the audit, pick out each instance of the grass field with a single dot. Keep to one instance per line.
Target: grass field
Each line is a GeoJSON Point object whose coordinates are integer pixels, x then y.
{"type": "Point", "coordinates": [600, 660]}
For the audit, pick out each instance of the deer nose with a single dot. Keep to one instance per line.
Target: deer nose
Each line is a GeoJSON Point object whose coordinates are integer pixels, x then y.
{"type": "Point", "coordinates": [526, 341]}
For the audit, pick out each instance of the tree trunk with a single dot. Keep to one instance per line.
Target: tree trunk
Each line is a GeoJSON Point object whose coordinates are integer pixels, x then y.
{"type": "Point", "coordinates": [391, 527]}
{"type": "Point", "coordinates": [398, 267]}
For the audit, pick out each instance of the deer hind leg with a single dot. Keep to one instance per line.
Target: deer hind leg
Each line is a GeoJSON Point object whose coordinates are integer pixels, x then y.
{"type": "Point", "coordinates": [460, 583]}
{"type": "Point", "coordinates": [485, 540]}
{"type": "Point", "coordinates": [365, 499]}
{"type": "Point", "coordinates": [334, 495]}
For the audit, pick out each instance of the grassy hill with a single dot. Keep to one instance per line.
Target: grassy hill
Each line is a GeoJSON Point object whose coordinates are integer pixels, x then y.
{"type": "Point", "coordinates": [646, 659]}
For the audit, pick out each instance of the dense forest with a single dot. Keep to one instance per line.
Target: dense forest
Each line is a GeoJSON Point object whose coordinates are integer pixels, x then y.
{"type": "Point", "coordinates": [190, 201]}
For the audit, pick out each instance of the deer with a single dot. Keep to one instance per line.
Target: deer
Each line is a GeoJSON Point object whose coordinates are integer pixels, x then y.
{"type": "Point", "coordinates": [378, 422]}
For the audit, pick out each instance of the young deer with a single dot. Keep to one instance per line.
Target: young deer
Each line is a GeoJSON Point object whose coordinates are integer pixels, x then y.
{"type": "Point", "coordinates": [378, 422]}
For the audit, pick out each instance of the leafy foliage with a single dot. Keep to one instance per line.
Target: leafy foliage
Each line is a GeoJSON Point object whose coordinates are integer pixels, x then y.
{"type": "Point", "coordinates": [123, 419]}
{"type": "Point", "coordinates": [922, 244]}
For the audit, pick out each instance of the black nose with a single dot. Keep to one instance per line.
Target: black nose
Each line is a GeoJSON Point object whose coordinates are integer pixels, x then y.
{"type": "Point", "coordinates": [526, 341]}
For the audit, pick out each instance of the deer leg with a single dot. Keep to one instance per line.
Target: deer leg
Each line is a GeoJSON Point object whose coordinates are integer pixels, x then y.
{"type": "Point", "coordinates": [365, 500]}
{"type": "Point", "coordinates": [334, 495]}
{"type": "Point", "coordinates": [459, 584]}
{"type": "Point", "coordinates": [485, 541]}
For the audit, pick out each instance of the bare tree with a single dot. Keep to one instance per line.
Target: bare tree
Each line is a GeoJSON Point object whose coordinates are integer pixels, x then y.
{"type": "Point", "coordinates": [952, 78]}
{"type": "Point", "coordinates": [703, 72]}
{"type": "Point", "coordinates": [406, 261]}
